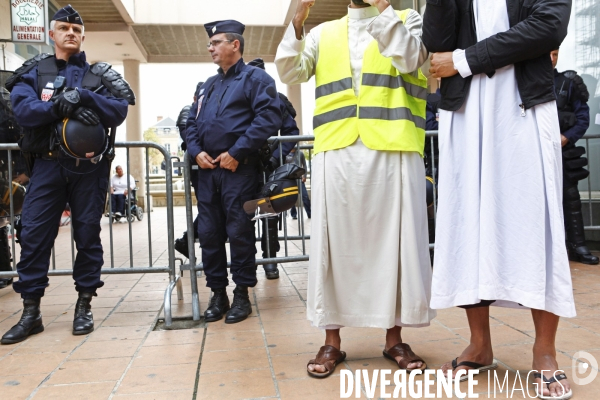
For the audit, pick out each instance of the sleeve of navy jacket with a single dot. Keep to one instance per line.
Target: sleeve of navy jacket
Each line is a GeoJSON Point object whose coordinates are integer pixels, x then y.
{"type": "Point", "coordinates": [192, 140]}
{"type": "Point", "coordinates": [30, 111]}
{"type": "Point", "coordinates": [111, 110]}
{"type": "Point", "coordinates": [582, 114]}
{"type": "Point", "coordinates": [262, 94]}
{"type": "Point", "coordinates": [289, 128]}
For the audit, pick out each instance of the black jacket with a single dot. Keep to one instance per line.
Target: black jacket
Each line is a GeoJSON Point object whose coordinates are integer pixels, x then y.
{"type": "Point", "coordinates": [536, 28]}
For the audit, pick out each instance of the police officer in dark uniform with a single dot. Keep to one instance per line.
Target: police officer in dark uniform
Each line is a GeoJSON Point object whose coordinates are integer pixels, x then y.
{"type": "Point", "coordinates": [44, 91]}
{"type": "Point", "coordinates": [431, 124]}
{"type": "Point", "coordinates": [181, 244]}
{"type": "Point", "coordinates": [10, 132]}
{"type": "Point", "coordinates": [236, 112]}
{"type": "Point", "coordinates": [574, 118]}
{"type": "Point", "coordinates": [269, 240]}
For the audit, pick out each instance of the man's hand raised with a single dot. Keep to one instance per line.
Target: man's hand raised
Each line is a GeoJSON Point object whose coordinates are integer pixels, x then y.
{"type": "Point", "coordinates": [381, 5]}
{"type": "Point", "coordinates": [205, 161]}
{"type": "Point", "coordinates": [302, 10]}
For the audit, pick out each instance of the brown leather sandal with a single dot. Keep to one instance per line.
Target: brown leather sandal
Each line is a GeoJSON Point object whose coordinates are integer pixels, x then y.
{"type": "Point", "coordinates": [404, 351]}
{"type": "Point", "coordinates": [329, 357]}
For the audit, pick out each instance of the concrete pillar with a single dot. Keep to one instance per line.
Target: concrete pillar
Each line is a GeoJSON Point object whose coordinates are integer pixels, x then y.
{"type": "Point", "coordinates": [134, 128]}
{"type": "Point", "coordinates": [294, 94]}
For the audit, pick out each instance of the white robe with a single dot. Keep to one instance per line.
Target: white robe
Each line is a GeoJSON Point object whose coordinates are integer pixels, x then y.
{"type": "Point", "coordinates": [500, 233]}
{"type": "Point", "coordinates": [369, 260]}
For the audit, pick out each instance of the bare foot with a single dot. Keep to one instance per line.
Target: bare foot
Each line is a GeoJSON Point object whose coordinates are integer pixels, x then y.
{"type": "Point", "coordinates": [478, 354]}
{"type": "Point", "coordinates": [547, 363]}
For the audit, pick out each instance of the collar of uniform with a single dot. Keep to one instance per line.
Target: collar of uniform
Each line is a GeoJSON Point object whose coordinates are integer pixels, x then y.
{"type": "Point", "coordinates": [235, 68]}
{"type": "Point", "coordinates": [362, 13]}
{"type": "Point", "coordinates": [78, 59]}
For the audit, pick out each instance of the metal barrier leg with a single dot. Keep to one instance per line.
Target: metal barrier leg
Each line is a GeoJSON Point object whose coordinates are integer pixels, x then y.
{"type": "Point", "coordinates": [167, 302]}
{"type": "Point", "coordinates": [191, 237]}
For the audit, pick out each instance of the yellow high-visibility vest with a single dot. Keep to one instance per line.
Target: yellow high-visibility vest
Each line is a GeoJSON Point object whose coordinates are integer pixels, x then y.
{"type": "Point", "coordinates": [389, 112]}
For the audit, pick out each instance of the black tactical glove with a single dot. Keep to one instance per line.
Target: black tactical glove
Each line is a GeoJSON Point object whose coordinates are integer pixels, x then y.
{"type": "Point", "coordinates": [66, 102]}
{"type": "Point", "coordinates": [86, 115]}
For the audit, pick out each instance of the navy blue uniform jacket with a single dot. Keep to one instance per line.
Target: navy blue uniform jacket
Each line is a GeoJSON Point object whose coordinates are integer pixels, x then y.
{"type": "Point", "coordinates": [31, 112]}
{"type": "Point", "coordinates": [235, 112]}
{"type": "Point", "coordinates": [581, 111]}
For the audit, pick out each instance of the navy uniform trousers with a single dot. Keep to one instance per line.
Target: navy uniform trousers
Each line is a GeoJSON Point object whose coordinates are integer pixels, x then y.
{"type": "Point", "coordinates": [221, 195]}
{"type": "Point", "coordinates": [54, 183]}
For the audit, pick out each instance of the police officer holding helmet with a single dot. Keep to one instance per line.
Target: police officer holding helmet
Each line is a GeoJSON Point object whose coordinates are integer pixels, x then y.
{"type": "Point", "coordinates": [63, 104]}
{"type": "Point", "coordinates": [237, 110]}
{"type": "Point", "coordinates": [574, 119]}
{"type": "Point", "coordinates": [270, 237]}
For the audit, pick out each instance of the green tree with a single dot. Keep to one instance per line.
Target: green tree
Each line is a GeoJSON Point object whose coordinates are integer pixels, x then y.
{"type": "Point", "coordinates": [156, 157]}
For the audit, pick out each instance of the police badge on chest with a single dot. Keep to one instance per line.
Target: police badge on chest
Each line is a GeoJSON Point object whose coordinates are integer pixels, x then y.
{"type": "Point", "coordinates": [48, 92]}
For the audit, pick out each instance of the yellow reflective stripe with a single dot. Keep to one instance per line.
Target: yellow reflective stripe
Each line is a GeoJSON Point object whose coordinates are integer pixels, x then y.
{"type": "Point", "coordinates": [278, 196]}
{"type": "Point", "coordinates": [283, 195]}
{"type": "Point", "coordinates": [290, 188]}
{"type": "Point", "coordinates": [334, 115]}
{"type": "Point", "coordinates": [64, 133]}
{"type": "Point", "coordinates": [391, 114]}
{"type": "Point", "coordinates": [394, 82]}
{"type": "Point", "coordinates": [333, 87]}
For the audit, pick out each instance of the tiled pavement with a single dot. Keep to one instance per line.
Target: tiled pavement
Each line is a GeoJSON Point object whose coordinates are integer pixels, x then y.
{"type": "Point", "coordinates": [262, 357]}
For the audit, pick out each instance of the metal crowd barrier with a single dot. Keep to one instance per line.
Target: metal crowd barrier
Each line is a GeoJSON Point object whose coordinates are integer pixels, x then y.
{"type": "Point", "coordinates": [586, 187]}
{"type": "Point", "coordinates": [174, 278]}
{"type": "Point", "coordinates": [194, 267]}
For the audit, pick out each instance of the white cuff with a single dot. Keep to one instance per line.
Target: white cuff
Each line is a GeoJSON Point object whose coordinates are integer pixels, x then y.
{"type": "Point", "coordinates": [460, 63]}
{"type": "Point", "coordinates": [290, 39]}
{"type": "Point", "coordinates": [382, 21]}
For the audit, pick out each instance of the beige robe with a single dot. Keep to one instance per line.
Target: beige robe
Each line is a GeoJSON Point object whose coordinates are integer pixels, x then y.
{"type": "Point", "coordinates": [369, 256]}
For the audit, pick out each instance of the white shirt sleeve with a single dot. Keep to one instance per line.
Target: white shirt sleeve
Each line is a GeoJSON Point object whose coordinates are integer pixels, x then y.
{"type": "Point", "coordinates": [459, 59]}
{"type": "Point", "coordinates": [131, 182]}
{"type": "Point", "coordinates": [400, 41]}
{"type": "Point", "coordinates": [296, 60]}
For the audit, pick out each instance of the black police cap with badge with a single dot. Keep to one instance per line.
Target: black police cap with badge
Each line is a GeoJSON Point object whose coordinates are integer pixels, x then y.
{"type": "Point", "coordinates": [226, 26]}
{"type": "Point", "coordinates": [68, 14]}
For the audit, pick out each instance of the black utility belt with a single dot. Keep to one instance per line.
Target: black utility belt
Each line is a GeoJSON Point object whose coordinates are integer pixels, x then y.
{"type": "Point", "coordinates": [47, 155]}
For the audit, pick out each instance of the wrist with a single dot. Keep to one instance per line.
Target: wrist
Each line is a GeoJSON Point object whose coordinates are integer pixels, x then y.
{"type": "Point", "coordinates": [381, 5]}
{"type": "Point", "coordinates": [298, 24]}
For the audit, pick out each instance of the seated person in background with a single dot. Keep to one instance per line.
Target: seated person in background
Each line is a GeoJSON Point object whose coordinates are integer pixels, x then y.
{"type": "Point", "coordinates": [119, 190]}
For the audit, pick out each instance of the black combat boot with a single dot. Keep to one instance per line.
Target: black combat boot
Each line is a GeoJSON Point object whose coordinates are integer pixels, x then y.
{"type": "Point", "coordinates": [29, 324]}
{"type": "Point", "coordinates": [271, 270]}
{"type": "Point", "coordinates": [241, 307]}
{"type": "Point", "coordinates": [219, 305]}
{"type": "Point", "coordinates": [181, 245]}
{"type": "Point", "coordinates": [581, 254]}
{"type": "Point", "coordinates": [5, 257]}
{"type": "Point", "coordinates": [576, 248]}
{"type": "Point", "coordinates": [83, 323]}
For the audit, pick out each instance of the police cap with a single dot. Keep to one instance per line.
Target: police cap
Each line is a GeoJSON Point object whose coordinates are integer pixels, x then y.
{"type": "Point", "coordinates": [227, 26]}
{"type": "Point", "coordinates": [68, 14]}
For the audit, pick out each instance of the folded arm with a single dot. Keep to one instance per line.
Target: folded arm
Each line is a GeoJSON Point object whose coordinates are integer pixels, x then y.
{"type": "Point", "coordinates": [400, 41]}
